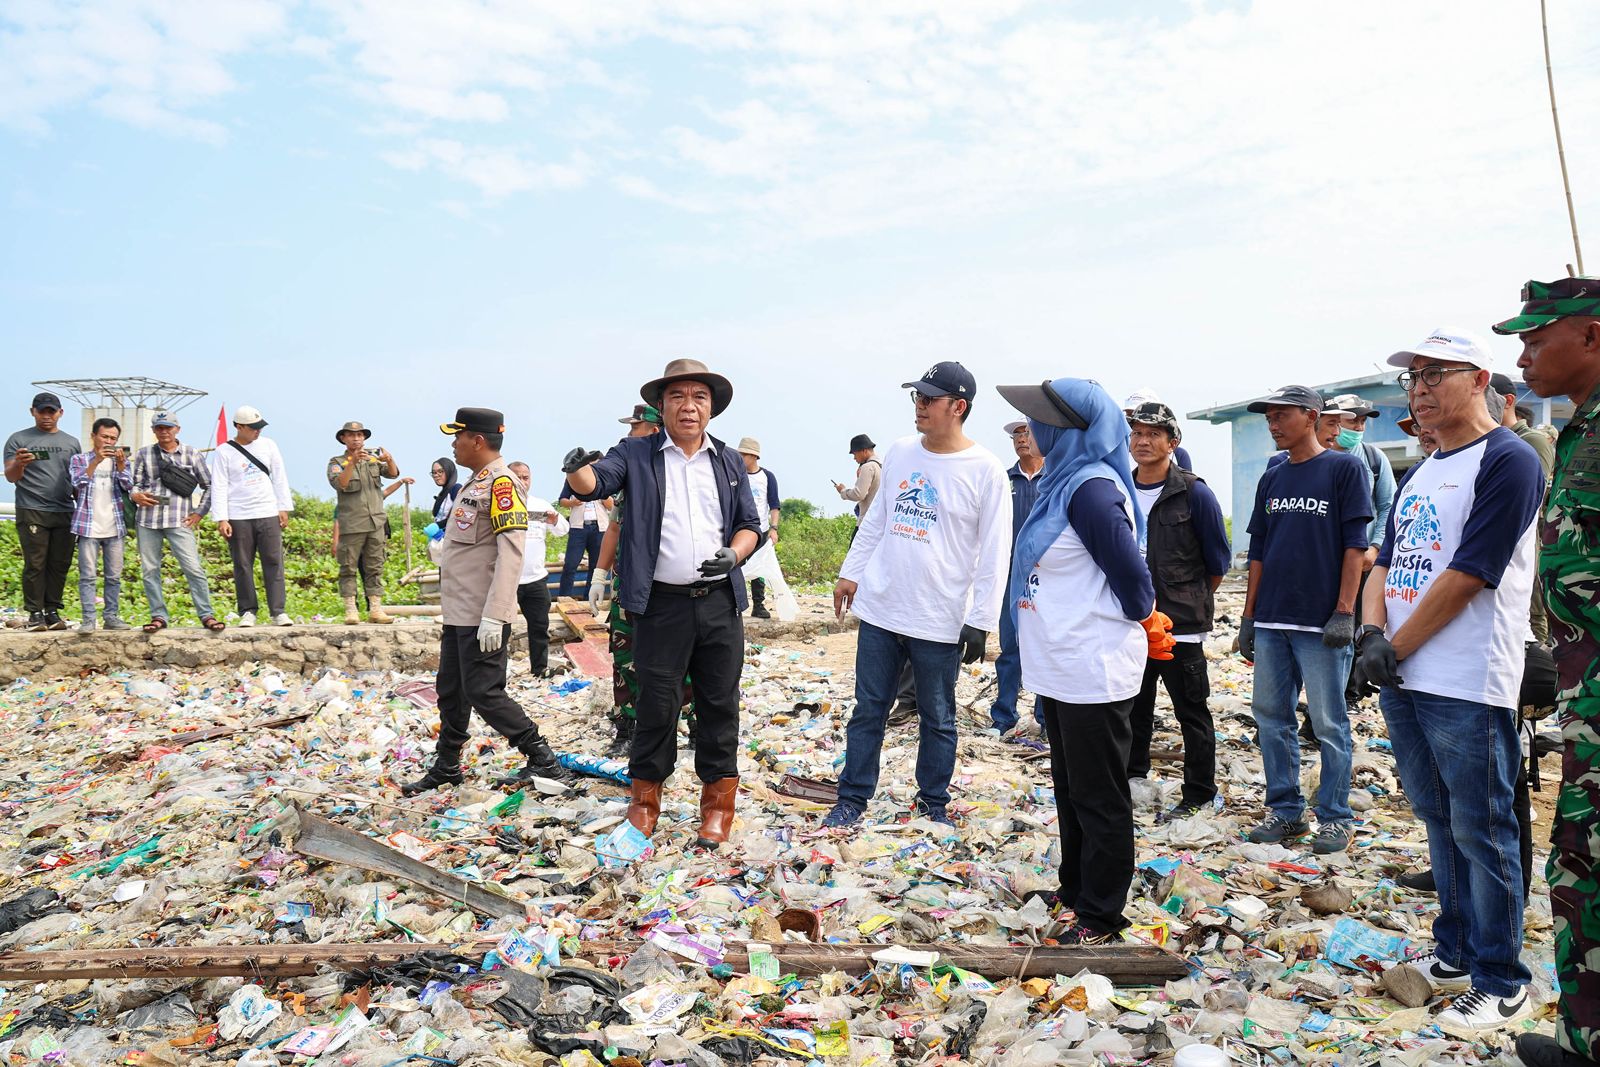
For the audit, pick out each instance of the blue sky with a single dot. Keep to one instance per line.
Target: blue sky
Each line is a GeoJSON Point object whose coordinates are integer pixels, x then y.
{"type": "Point", "coordinates": [354, 209]}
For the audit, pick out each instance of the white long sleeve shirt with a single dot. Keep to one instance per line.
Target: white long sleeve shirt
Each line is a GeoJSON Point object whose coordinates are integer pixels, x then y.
{"type": "Point", "coordinates": [933, 551]}
{"type": "Point", "coordinates": [239, 490]}
{"type": "Point", "coordinates": [691, 521]}
{"type": "Point", "coordinates": [533, 565]}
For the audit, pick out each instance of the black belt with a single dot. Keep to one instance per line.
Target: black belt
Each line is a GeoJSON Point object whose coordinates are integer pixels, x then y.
{"type": "Point", "coordinates": [592, 522]}
{"type": "Point", "coordinates": [698, 589]}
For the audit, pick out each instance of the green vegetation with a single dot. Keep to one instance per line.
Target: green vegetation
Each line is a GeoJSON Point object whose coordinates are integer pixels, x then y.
{"type": "Point", "coordinates": [811, 548]}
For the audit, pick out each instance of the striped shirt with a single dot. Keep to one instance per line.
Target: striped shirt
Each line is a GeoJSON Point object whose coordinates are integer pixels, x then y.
{"type": "Point", "coordinates": [147, 479]}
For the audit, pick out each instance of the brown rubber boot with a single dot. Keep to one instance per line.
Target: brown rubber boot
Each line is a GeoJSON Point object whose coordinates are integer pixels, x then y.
{"type": "Point", "coordinates": [716, 811]}
{"type": "Point", "coordinates": [644, 805]}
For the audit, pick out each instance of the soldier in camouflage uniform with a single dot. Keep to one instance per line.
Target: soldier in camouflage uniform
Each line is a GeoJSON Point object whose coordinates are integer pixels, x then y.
{"type": "Point", "coordinates": [1560, 330]}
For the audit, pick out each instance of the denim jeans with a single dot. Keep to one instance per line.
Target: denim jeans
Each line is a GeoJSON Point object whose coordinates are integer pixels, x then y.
{"type": "Point", "coordinates": [582, 539]}
{"type": "Point", "coordinates": [1008, 676]}
{"type": "Point", "coordinates": [1285, 659]}
{"type": "Point", "coordinates": [91, 551]}
{"type": "Point", "coordinates": [879, 655]}
{"type": "Point", "coordinates": [1458, 762]}
{"type": "Point", "coordinates": [185, 550]}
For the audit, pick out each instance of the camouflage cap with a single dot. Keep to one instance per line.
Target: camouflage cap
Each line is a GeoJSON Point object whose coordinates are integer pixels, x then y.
{"type": "Point", "coordinates": [1545, 302]}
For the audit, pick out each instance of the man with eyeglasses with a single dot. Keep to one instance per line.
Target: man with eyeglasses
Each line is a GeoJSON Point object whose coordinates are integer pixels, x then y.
{"type": "Point", "coordinates": [925, 575]}
{"type": "Point", "coordinates": [1444, 639]}
{"type": "Point", "coordinates": [1024, 477]}
{"type": "Point", "coordinates": [1308, 535]}
{"type": "Point", "coordinates": [1560, 331]}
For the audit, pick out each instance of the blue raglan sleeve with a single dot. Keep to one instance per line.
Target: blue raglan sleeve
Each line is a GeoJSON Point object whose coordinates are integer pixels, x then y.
{"type": "Point", "coordinates": [1507, 493]}
{"type": "Point", "coordinates": [1206, 515]}
{"type": "Point", "coordinates": [1100, 519]}
{"type": "Point", "coordinates": [774, 502]}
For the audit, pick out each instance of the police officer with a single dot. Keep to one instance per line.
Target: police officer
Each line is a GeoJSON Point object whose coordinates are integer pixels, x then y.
{"type": "Point", "coordinates": [483, 543]}
{"type": "Point", "coordinates": [1560, 331]}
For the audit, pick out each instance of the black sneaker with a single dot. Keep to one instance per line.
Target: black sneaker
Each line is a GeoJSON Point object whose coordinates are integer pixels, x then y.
{"type": "Point", "coordinates": [1418, 881]}
{"type": "Point", "coordinates": [36, 623]}
{"type": "Point", "coordinates": [1275, 828]}
{"type": "Point", "coordinates": [1183, 810]}
{"type": "Point", "coordinates": [54, 621]}
{"type": "Point", "coordinates": [903, 714]}
{"type": "Point", "coordinates": [1088, 935]}
{"type": "Point", "coordinates": [622, 743]}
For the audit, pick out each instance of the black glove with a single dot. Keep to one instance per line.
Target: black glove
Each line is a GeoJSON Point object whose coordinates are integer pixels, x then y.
{"type": "Point", "coordinates": [1339, 630]}
{"type": "Point", "coordinates": [720, 564]}
{"type": "Point", "coordinates": [577, 459]}
{"type": "Point", "coordinates": [1376, 663]}
{"type": "Point", "coordinates": [1247, 639]}
{"type": "Point", "coordinates": [973, 643]}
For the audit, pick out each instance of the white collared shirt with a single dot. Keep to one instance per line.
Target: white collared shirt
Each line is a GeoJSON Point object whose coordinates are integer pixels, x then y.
{"type": "Point", "coordinates": [691, 518]}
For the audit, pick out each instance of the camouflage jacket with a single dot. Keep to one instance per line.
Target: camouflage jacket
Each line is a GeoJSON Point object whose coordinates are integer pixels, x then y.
{"type": "Point", "coordinates": [1569, 560]}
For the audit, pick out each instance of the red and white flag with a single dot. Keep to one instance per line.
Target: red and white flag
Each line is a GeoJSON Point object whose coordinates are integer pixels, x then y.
{"type": "Point", "coordinates": [222, 425]}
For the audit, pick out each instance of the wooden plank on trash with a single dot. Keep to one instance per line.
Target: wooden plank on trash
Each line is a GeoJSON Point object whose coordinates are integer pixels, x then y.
{"type": "Point", "coordinates": [213, 961]}
{"type": "Point", "coordinates": [592, 658]}
{"type": "Point", "coordinates": [576, 614]}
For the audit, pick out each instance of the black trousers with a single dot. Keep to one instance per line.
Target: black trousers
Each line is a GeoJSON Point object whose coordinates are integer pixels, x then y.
{"type": "Point", "coordinates": [471, 679]}
{"type": "Point", "coordinates": [47, 545]}
{"type": "Point", "coordinates": [1189, 686]}
{"type": "Point", "coordinates": [533, 598]}
{"type": "Point", "coordinates": [250, 538]}
{"type": "Point", "coordinates": [1094, 810]}
{"type": "Point", "coordinates": [702, 637]}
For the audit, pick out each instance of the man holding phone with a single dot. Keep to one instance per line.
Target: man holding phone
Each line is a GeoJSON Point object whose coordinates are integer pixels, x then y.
{"type": "Point", "coordinates": [101, 484]}
{"type": "Point", "coordinates": [36, 463]}
{"type": "Point", "coordinates": [357, 477]}
{"type": "Point", "coordinates": [165, 478]}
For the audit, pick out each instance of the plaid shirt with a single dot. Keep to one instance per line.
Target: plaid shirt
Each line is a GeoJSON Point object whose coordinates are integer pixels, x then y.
{"type": "Point", "coordinates": [83, 494]}
{"type": "Point", "coordinates": [147, 479]}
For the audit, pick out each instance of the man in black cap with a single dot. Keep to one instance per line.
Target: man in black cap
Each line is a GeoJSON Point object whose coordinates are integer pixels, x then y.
{"type": "Point", "coordinates": [689, 522]}
{"type": "Point", "coordinates": [1308, 539]}
{"type": "Point", "coordinates": [36, 463]}
{"type": "Point", "coordinates": [868, 474]}
{"type": "Point", "coordinates": [484, 538]}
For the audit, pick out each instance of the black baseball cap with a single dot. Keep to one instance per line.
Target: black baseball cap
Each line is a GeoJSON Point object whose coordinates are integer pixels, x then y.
{"type": "Point", "coordinates": [1502, 383]}
{"type": "Point", "coordinates": [475, 420]}
{"type": "Point", "coordinates": [861, 442]}
{"type": "Point", "coordinates": [1289, 396]}
{"type": "Point", "coordinates": [946, 379]}
{"type": "Point", "coordinates": [46, 400]}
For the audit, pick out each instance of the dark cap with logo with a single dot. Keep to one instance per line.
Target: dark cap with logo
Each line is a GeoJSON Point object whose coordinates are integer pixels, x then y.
{"type": "Point", "coordinates": [475, 420]}
{"type": "Point", "coordinates": [946, 379]}
{"type": "Point", "coordinates": [1545, 302]}
{"type": "Point", "coordinates": [1154, 413]}
{"type": "Point", "coordinates": [1289, 396]}
{"type": "Point", "coordinates": [42, 401]}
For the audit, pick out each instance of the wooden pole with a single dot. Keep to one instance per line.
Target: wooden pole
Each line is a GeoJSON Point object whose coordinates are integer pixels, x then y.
{"type": "Point", "coordinates": [407, 522]}
{"type": "Point", "coordinates": [1561, 152]}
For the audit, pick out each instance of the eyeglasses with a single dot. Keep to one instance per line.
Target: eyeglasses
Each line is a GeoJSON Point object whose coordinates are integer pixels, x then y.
{"type": "Point", "coordinates": [1430, 376]}
{"type": "Point", "coordinates": [922, 400]}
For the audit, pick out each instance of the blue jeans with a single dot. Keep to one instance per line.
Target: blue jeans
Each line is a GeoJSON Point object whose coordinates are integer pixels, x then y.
{"type": "Point", "coordinates": [879, 655]}
{"type": "Point", "coordinates": [1285, 659]}
{"type": "Point", "coordinates": [1458, 761]}
{"type": "Point", "coordinates": [583, 537]}
{"type": "Point", "coordinates": [185, 550]}
{"type": "Point", "coordinates": [1008, 676]}
{"type": "Point", "coordinates": [91, 551]}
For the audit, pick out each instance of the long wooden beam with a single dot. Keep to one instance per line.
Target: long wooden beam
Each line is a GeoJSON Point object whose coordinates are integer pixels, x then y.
{"type": "Point", "coordinates": [1122, 964]}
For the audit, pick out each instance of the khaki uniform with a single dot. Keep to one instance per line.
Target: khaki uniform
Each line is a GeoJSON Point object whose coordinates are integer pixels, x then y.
{"type": "Point", "coordinates": [484, 536]}
{"type": "Point", "coordinates": [363, 545]}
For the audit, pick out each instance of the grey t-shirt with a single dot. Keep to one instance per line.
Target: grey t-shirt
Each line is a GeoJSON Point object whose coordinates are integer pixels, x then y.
{"type": "Point", "coordinates": [45, 485]}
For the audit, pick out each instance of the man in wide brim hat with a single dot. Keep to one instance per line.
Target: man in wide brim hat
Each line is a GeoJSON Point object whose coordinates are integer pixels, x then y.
{"type": "Point", "coordinates": [685, 370]}
{"type": "Point", "coordinates": [351, 427]}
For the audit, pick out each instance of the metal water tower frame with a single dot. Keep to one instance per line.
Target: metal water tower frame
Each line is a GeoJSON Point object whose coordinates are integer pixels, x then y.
{"type": "Point", "coordinates": [132, 401]}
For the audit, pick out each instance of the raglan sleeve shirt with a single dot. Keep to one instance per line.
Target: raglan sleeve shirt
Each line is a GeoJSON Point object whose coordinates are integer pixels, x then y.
{"type": "Point", "coordinates": [1099, 515]}
{"type": "Point", "coordinates": [1506, 498]}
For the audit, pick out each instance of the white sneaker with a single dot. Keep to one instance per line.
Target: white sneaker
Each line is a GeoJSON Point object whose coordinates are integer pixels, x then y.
{"type": "Point", "coordinates": [282, 619]}
{"type": "Point", "coordinates": [1475, 1011]}
{"type": "Point", "coordinates": [1440, 974]}
{"type": "Point", "coordinates": [247, 619]}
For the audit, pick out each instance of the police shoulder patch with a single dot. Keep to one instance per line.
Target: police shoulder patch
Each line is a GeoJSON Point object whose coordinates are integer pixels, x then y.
{"type": "Point", "coordinates": [507, 509]}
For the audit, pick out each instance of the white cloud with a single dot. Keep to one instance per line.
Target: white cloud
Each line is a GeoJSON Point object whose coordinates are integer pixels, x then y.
{"type": "Point", "coordinates": [495, 172]}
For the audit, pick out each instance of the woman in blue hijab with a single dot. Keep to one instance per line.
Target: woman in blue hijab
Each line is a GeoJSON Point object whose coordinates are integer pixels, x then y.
{"type": "Point", "coordinates": [1083, 605]}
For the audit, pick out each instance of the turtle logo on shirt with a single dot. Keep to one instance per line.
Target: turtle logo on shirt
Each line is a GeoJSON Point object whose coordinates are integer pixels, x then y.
{"type": "Point", "coordinates": [1417, 526]}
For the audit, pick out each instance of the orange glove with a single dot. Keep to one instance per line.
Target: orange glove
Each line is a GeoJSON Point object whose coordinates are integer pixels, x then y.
{"type": "Point", "coordinates": [1158, 632]}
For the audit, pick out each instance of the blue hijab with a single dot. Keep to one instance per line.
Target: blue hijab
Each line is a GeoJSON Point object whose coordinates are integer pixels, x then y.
{"type": "Point", "coordinates": [1071, 457]}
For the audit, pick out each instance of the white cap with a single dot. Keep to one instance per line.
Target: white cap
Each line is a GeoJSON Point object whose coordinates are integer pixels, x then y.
{"type": "Point", "coordinates": [1013, 427]}
{"type": "Point", "coordinates": [245, 415]}
{"type": "Point", "coordinates": [1140, 396]}
{"type": "Point", "coordinates": [1456, 346]}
